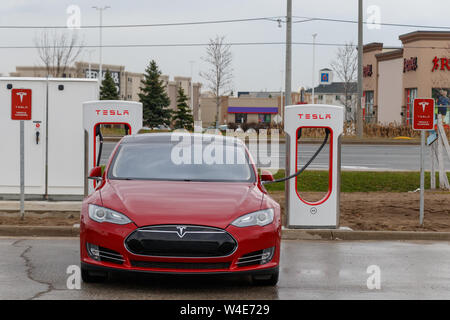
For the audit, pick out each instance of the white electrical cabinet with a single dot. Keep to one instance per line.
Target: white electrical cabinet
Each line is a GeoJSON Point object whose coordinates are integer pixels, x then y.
{"type": "Point", "coordinates": [53, 166]}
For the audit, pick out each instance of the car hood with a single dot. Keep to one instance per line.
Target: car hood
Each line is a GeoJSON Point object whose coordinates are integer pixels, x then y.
{"type": "Point", "coordinates": [214, 204]}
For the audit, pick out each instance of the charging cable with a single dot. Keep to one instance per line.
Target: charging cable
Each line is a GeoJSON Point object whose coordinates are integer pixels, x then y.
{"type": "Point", "coordinates": [327, 133]}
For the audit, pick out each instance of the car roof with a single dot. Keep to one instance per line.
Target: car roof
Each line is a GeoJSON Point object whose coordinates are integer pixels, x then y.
{"type": "Point", "coordinates": [171, 137]}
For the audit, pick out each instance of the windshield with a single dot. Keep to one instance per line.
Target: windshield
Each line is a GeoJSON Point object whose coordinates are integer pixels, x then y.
{"type": "Point", "coordinates": [191, 162]}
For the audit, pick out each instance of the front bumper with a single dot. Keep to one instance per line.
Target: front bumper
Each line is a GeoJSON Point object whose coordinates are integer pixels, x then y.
{"type": "Point", "coordinates": [112, 237]}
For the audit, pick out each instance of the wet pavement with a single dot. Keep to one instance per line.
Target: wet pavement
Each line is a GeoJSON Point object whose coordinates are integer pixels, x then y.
{"type": "Point", "coordinates": [36, 269]}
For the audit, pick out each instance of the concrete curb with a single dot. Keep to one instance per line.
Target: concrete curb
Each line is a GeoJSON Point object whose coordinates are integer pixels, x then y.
{"type": "Point", "coordinates": [287, 234]}
{"type": "Point", "coordinates": [297, 234]}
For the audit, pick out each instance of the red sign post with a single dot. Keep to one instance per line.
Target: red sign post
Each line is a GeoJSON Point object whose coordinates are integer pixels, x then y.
{"type": "Point", "coordinates": [21, 104]}
{"type": "Point", "coordinates": [423, 119]}
{"type": "Point", "coordinates": [423, 114]}
{"type": "Point", "coordinates": [21, 110]}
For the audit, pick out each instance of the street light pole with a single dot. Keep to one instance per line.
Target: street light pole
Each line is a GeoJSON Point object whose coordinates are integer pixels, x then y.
{"type": "Point", "coordinates": [313, 66]}
{"type": "Point", "coordinates": [288, 78]}
{"type": "Point", "coordinates": [359, 113]}
{"type": "Point", "coordinates": [100, 72]}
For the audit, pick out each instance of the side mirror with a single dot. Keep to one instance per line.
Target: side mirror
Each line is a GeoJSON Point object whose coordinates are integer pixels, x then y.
{"type": "Point", "coordinates": [266, 176]}
{"type": "Point", "coordinates": [96, 173]}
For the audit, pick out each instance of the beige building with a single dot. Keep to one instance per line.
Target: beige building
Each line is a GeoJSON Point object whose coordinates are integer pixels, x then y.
{"type": "Point", "coordinates": [253, 107]}
{"type": "Point", "coordinates": [419, 69]}
{"type": "Point", "coordinates": [128, 83]}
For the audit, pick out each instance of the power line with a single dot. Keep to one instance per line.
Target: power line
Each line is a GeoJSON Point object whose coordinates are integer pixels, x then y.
{"type": "Point", "coordinates": [369, 23]}
{"type": "Point", "coordinates": [169, 24]}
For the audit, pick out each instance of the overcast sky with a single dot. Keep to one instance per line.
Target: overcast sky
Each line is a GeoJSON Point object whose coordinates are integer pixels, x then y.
{"type": "Point", "coordinates": [255, 67]}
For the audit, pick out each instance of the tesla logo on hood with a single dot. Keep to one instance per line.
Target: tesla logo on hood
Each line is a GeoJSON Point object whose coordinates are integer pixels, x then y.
{"type": "Point", "coordinates": [181, 231]}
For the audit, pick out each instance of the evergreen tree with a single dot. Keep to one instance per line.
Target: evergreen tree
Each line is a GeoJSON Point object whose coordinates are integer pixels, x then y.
{"type": "Point", "coordinates": [108, 89]}
{"type": "Point", "coordinates": [154, 98]}
{"type": "Point", "coordinates": [182, 116]}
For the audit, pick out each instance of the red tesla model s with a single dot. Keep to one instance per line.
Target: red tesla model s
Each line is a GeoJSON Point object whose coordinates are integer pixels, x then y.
{"type": "Point", "coordinates": [180, 203]}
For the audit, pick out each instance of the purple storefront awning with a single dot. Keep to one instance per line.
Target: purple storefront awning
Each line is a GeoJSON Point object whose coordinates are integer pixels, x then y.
{"type": "Point", "coordinates": [252, 110]}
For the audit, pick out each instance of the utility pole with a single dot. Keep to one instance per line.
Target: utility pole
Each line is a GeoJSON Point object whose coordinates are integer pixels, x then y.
{"type": "Point", "coordinates": [288, 78]}
{"type": "Point", "coordinates": [313, 66]}
{"type": "Point", "coordinates": [192, 88]}
{"type": "Point", "coordinates": [281, 98]}
{"type": "Point", "coordinates": [100, 72]}
{"type": "Point", "coordinates": [359, 113]}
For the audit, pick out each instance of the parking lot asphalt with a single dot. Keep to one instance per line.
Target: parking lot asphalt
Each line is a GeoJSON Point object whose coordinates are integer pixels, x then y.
{"type": "Point", "coordinates": [36, 268]}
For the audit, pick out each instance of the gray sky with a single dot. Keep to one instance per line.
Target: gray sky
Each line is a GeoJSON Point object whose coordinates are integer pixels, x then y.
{"type": "Point", "coordinates": [255, 67]}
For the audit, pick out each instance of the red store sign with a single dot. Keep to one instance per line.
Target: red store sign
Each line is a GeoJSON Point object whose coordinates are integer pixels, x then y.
{"type": "Point", "coordinates": [367, 71]}
{"type": "Point", "coordinates": [410, 64]}
{"type": "Point", "coordinates": [440, 64]}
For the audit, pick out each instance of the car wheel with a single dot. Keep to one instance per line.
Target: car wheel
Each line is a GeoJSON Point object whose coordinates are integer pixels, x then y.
{"type": "Point", "coordinates": [93, 277]}
{"type": "Point", "coordinates": [266, 280]}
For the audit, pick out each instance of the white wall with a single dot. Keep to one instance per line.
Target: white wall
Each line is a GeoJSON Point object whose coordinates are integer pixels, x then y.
{"type": "Point", "coordinates": [390, 90]}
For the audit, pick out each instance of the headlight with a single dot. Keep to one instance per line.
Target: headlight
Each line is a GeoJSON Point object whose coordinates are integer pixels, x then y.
{"type": "Point", "coordinates": [257, 218]}
{"type": "Point", "coordinates": [101, 214]}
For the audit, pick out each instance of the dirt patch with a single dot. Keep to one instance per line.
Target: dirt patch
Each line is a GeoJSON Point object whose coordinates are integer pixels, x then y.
{"type": "Point", "coordinates": [388, 211]}
{"type": "Point", "coordinates": [40, 219]}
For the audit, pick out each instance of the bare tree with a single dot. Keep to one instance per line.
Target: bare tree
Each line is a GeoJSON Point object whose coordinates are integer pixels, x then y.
{"type": "Point", "coordinates": [219, 75]}
{"type": "Point", "coordinates": [58, 50]}
{"type": "Point", "coordinates": [346, 67]}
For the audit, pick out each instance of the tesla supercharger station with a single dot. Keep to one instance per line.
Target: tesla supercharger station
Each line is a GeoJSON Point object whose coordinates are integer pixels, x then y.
{"type": "Point", "coordinates": [111, 112]}
{"type": "Point", "coordinates": [53, 144]}
{"type": "Point", "coordinates": [325, 212]}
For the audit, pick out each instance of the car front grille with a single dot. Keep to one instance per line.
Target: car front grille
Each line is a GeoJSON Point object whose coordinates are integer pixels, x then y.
{"type": "Point", "coordinates": [180, 265]}
{"type": "Point", "coordinates": [181, 241]}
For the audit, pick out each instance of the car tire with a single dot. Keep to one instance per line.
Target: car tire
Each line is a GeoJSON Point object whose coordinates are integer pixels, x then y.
{"type": "Point", "coordinates": [266, 280]}
{"type": "Point", "coordinates": [90, 277]}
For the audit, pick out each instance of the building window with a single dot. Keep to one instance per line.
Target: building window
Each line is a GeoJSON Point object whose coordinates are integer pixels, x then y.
{"type": "Point", "coordinates": [338, 98]}
{"type": "Point", "coordinates": [368, 106]}
{"type": "Point", "coordinates": [411, 94]}
{"type": "Point", "coordinates": [442, 99]}
{"type": "Point", "coordinates": [264, 118]}
{"type": "Point", "coordinates": [240, 118]}
{"type": "Point", "coordinates": [320, 97]}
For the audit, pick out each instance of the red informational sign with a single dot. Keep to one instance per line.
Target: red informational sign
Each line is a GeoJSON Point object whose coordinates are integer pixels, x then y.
{"type": "Point", "coordinates": [423, 114]}
{"type": "Point", "coordinates": [21, 104]}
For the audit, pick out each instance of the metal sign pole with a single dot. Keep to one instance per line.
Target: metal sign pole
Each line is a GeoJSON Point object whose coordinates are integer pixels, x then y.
{"type": "Point", "coordinates": [422, 174]}
{"type": "Point", "coordinates": [22, 171]}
